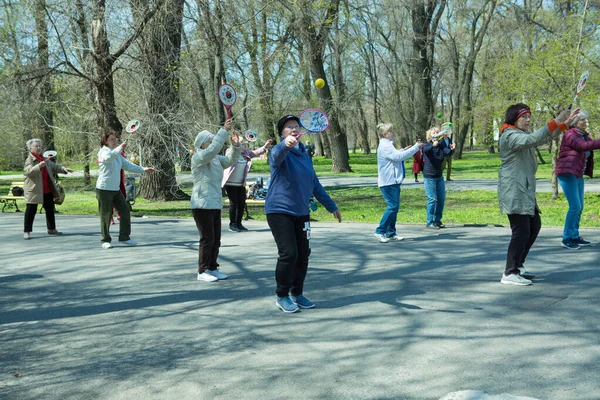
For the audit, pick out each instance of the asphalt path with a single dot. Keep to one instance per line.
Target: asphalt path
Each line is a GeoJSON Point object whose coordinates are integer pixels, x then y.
{"type": "Point", "coordinates": [543, 185]}
{"type": "Point", "coordinates": [425, 318]}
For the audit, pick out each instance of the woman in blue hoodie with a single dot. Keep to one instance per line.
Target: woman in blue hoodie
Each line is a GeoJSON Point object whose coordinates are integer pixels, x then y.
{"type": "Point", "coordinates": [293, 182]}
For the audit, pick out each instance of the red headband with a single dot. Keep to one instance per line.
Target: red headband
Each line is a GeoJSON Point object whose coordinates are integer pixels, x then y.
{"type": "Point", "coordinates": [523, 112]}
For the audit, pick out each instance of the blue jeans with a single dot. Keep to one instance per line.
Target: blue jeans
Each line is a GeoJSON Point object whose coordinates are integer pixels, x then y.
{"type": "Point", "coordinates": [387, 225]}
{"type": "Point", "coordinates": [573, 189]}
{"type": "Point", "coordinates": [435, 188]}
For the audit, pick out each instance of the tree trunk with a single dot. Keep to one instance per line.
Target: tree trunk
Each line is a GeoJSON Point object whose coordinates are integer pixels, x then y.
{"type": "Point", "coordinates": [85, 59]}
{"type": "Point", "coordinates": [316, 44]}
{"type": "Point", "coordinates": [104, 69]}
{"type": "Point", "coordinates": [213, 29]}
{"type": "Point", "coordinates": [45, 113]}
{"type": "Point", "coordinates": [421, 66]}
{"type": "Point", "coordinates": [555, 150]}
{"type": "Point", "coordinates": [363, 129]}
{"type": "Point", "coordinates": [162, 51]}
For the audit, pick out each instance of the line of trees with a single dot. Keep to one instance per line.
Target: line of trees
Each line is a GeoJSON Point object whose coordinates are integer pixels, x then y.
{"type": "Point", "coordinates": [83, 66]}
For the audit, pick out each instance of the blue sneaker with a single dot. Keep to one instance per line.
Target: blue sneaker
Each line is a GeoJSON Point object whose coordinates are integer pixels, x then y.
{"type": "Point", "coordinates": [570, 244]}
{"type": "Point", "coordinates": [286, 305]}
{"type": "Point", "coordinates": [302, 302]}
{"type": "Point", "coordinates": [582, 242]}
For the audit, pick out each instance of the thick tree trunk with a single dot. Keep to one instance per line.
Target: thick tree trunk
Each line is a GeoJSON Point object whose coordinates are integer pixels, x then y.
{"type": "Point", "coordinates": [162, 51]}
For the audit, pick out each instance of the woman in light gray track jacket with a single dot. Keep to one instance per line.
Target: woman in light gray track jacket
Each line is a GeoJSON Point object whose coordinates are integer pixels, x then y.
{"type": "Point", "coordinates": [207, 198]}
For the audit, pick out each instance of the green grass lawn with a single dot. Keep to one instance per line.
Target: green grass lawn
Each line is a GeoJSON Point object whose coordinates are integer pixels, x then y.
{"type": "Point", "coordinates": [357, 205]}
{"type": "Point", "coordinates": [473, 165]}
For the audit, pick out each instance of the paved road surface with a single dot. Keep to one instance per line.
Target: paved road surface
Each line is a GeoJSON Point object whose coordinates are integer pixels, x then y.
{"type": "Point", "coordinates": [543, 185]}
{"type": "Point", "coordinates": [418, 319]}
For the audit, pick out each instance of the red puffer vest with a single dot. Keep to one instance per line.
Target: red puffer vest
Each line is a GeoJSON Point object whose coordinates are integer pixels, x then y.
{"type": "Point", "coordinates": [571, 157]}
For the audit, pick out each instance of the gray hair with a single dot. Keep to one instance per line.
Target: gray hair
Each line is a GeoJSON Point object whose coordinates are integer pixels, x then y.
{"type": "Point", "coordinates": [30, 142]}
{"type": "Point", "coordinates": [383, 128]}
{"type": "Point", "coordinates": [582, 115]}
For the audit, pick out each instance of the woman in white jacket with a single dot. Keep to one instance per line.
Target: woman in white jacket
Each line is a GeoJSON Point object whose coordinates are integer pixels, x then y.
{"type": "Point", "coordinates": [391, 172]}
{"type": "Point", "coordinates": [207, 199]}
{"type": "Point", "coordinates": [110, 163]}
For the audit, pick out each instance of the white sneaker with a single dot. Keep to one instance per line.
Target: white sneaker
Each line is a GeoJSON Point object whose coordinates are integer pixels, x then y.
{"type": "Point", "coordinates": [395, 238]}
{"type": "Point", "coordinates": [515, 279]}
{"type": "Point", "coordinates": [106, 245]}
{"type": "Point", "coordinates": [26, 235]}
{"type": "Point", "coordinates": [129, 242]}
{"type": "Point", "coordinates": [206, 276]}
{"type": "Point", "coordinates": [217, 274]}
{"type": "Point", "coordinates": [381, 238]}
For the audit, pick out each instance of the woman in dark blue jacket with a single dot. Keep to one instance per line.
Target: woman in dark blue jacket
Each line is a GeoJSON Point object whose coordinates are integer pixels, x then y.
{"type": "Point", "coordinates": [293, 182]}
{"type": "Point", "coordinates": [434, 153]}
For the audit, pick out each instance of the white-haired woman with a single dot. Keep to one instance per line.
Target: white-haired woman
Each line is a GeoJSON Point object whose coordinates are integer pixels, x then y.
{"type": "Point", "coordinates": [391, 172]}
{"type": "Point", "coordinates": [575, 159]}
{"type": "Point", "coordinates": [207, 198]}
{"type": "Point", "coordinates": [40, 187]}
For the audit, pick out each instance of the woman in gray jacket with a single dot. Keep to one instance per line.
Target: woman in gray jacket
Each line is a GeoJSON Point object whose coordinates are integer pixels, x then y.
{"type": "Point", "coordinates": [516, 184]}
{"type": "Point", "coordinates": [40, 187]}
{"type": "Point", "coordinates": [207, 198]}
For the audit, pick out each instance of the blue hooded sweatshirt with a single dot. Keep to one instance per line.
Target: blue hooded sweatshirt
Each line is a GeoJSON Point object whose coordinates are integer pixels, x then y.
{"type": "Point", "coordinates": [293, 182]}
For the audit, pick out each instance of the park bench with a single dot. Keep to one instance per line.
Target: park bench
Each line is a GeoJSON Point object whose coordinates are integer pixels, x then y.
{"type": "Point", "coordinates": [260, 202]}
{"type": "Point", "coordinates": [248, 201]}
{"type": "Point", "coordinates": [10, 200]}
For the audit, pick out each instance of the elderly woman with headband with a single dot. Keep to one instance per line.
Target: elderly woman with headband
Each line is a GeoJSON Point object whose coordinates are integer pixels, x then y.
{"type": "Point", "coordinates": [516, 184]}
{"type": "Point", "coordinates": [575, 159]}
{"type": "Point", "coordinates": [207, 198]}
{"type": "Point", "coordinates": [39, 187]}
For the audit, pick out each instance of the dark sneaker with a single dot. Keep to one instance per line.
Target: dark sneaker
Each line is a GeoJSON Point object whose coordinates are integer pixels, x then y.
{"type": "Point", "coordinates": [439, 224]}
{"type": "Point", "coordinates": [449, 180]}
{"type": "Point", "coordinates": [570, 244]}
{"type": "Point", "coordinates": [233, 228]}
{"type": "Point", "coordinates": [242, 228]}
{"type": "Point", "coordinates": [302, 301]}
{"type": "Point", "coordinates": [54, 232]}
{"type": "Point", "coordinates": [525, 274]}
{"type": "Point", "coordinates": [432, 226]}
{"type": "Point", "coordinates": [582, 242]}
{"type": "Point", "coordinates": [286, 305]}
